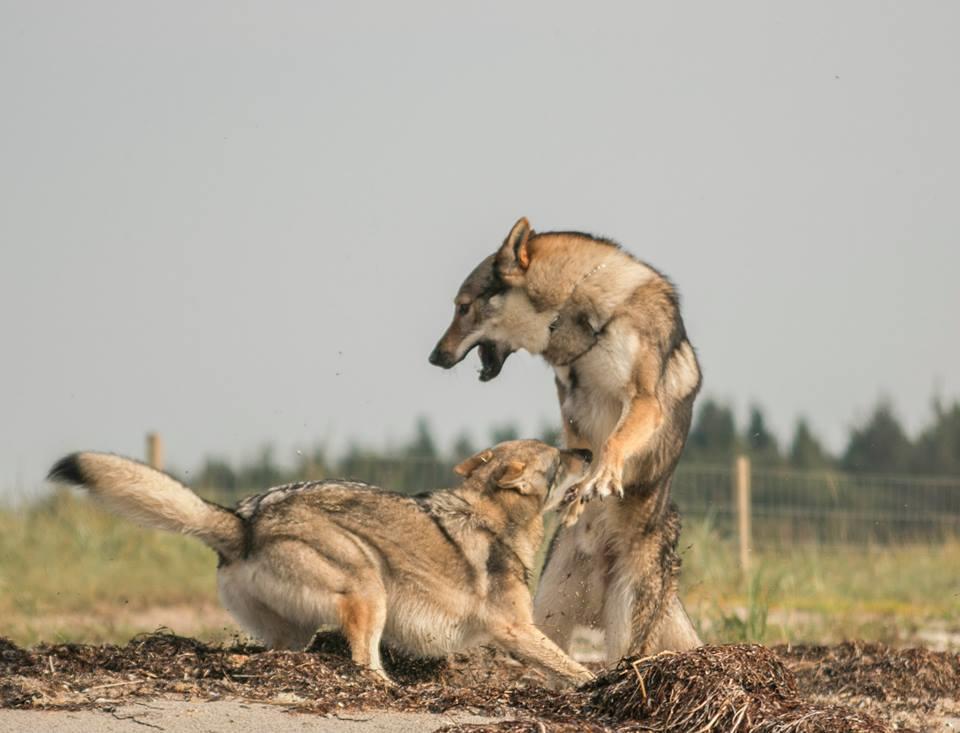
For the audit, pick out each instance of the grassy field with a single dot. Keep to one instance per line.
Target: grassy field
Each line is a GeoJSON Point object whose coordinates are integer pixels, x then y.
{"type": "Point", "coordinates": [823, 593]}
{"type": "Point", "coordinates": [69, 572]}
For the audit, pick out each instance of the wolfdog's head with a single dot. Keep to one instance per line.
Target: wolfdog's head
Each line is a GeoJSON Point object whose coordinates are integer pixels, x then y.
{"type": "Point", "coordinates": [494, 310]}
{"type": "Point", "coordinates": [529, 468]}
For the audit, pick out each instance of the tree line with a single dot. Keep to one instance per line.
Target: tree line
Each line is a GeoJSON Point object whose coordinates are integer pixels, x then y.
{"type": "Point", "coordinates": [878, 444]}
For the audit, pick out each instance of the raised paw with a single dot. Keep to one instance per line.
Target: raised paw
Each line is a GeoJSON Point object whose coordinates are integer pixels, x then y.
{"type": "Point", "coordinates": [572, 511]}
{"type": "Point", "coordinates": [603, 481]}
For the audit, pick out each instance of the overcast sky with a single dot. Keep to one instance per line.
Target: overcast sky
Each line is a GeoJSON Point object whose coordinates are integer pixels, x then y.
{"type": "Point", "coordinates": [240, 223]}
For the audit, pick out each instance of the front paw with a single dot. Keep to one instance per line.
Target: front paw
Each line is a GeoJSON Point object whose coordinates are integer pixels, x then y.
{"type": "Point", "coordinates": [574, 506]}
{"type": "Point", "coordinates": [603, 481]}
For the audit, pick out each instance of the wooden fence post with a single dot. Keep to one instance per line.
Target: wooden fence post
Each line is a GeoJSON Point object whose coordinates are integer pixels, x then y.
{"type": "Point", "coordinates": [741, 507]}
{"type": "Point", "coordinates": [155, 451]}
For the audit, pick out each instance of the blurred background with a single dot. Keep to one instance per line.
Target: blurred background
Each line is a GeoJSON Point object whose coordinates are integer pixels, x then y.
{"type": "Point", "coordinates": [240, 228]}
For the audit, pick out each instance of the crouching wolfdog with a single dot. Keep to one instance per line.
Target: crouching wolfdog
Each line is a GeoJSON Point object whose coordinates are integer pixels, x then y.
{"type": "Point", "coordinates": [431, 574]}
{"type": "Point", "coordinates": [626, 377]}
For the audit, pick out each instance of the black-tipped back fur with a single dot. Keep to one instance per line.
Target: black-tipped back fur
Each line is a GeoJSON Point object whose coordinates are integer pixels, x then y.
{"type": "Point", "coordinates": [67, 471]}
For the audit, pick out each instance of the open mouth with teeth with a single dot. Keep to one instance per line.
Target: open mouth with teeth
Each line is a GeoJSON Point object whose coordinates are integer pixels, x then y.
{"type": "Point", "coordinates": [492, 356]}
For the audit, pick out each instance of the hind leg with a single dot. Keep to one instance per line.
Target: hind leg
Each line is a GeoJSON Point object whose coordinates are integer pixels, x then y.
{"type": "Point", "coordinates": [661, 622]}
{"type": "Point", "coordinates": [674, 632]}
{"type": "Point", "coordinates": [280, 633]}
{"type": "Point", "coordinates": [642, 613]}
{"type": "Point", "coordinates": [632, 602]}
{"type": "Point", "coordinates": [362, 616]}
{"type": "Point", "coordinates": [570, 590]}
{"type": "Point", "coordinates": [259, 620]}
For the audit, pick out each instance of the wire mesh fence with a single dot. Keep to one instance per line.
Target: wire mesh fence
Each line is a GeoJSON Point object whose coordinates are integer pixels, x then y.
{"type": "Point", "coordinates": [786, 506]}
{"type": "Point", "coordinates": [789, 507]}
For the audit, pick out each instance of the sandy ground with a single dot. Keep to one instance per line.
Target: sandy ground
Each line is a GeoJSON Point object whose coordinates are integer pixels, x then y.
{"type": "Point", "coordinates": [230, 716]}
{"type": "Point", "coordinates": [220, 717]}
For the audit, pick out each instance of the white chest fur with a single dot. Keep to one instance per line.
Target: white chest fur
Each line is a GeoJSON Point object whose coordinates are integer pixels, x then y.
{"type": "Point", "coordinates": [597, 384]}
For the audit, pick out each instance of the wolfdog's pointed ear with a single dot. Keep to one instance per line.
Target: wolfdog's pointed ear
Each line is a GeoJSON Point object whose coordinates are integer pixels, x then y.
{"type": "Point", "coordinates": [472, 463]}
{"type": "Point", "coordinates": [514, 257]}
{"type": "Point", "coordinates": [514, 477]}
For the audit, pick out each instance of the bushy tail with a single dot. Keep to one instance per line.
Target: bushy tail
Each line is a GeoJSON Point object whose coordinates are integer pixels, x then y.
{"type": "Point", "coordinates": [152, 499]}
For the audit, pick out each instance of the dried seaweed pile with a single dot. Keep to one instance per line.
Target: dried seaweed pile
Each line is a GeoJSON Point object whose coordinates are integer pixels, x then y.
{"type": "Point", "coordinates": [717, 688]}
{"type": "Point", "coordinates": [320, 680]}
{"type": "Point", "coordinates": [875, 670]}
{"type": "Point", "coordinates": [714, 688]}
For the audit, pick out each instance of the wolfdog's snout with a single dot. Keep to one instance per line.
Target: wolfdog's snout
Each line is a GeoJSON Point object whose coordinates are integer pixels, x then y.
{"type": "Point", "coordinates": [441, 358]}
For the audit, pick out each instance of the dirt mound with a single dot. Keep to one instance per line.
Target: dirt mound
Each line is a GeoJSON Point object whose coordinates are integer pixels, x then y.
{"type": "Point", "coordinates": [717, 688]}
{"type": "Point", "coordinates": [874, 670]}
{"type": "Point", "coordinates": [714, 688]}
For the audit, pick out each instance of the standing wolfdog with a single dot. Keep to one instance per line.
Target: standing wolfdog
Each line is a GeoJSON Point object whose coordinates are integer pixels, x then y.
{"type": "Point", "coordinates": [626, 377]}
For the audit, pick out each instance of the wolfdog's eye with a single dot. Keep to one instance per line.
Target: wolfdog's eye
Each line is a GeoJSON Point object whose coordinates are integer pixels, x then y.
{"type": "Point", "coordinates": [463, 308]}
